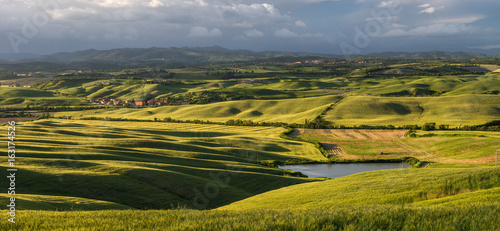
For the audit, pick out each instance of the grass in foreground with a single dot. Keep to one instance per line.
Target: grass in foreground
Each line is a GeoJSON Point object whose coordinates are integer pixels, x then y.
{"type": "Point", "coordinates": [341, 218]}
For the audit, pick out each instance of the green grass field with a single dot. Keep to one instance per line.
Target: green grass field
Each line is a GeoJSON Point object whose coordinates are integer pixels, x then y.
{"type": "Point", "coordinates": [341, 218]}
{"type": "Point", "coordinates": [149, 165]}
{"type": "Point", "coordinates": [20, 96]}
{"type": "Point", "coordinates": [404, 199]}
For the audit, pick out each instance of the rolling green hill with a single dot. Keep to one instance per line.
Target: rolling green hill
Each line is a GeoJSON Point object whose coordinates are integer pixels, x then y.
{"type": "Point", "coordinates": [148, 165]}
{"type": "Point", "coordinates": [288, 110]}
{"type": "Point", "coordinates": [452, 110]}
{"type": "Point", "coordinates": [427, 85]}
{"type": "Point", "coordinates": [401, 187]}
{"type": "Point", "coordinates": [352, 110]}
{"type": "Point", "coordinates": [19, 96]}
{"type": "Point", "coordinates": [411, 199]}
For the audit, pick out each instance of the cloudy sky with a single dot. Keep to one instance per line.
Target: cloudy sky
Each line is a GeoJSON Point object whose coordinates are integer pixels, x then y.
{"type": "Point", "coordinates": [340, 27]}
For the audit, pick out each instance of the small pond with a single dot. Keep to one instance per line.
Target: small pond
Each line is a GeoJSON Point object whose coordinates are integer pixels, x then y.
{"type": "Point", "coordinates": [340, 170]}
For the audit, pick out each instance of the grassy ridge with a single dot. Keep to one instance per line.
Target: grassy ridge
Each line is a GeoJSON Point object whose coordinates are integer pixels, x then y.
{"type": "Point", "coordinates": [19, 96]}
{"type": "Point", "coordinates": [152, 165]}
{"type": "Point", "coordinates": [289, 110]}
{"type": "Point", "coordinates": [388, 187]}
{"type": "Point", "coordinates": [452, 110]}
{"type": "Point", "coordinates": [353, 110]}
{"type": "Point", "coordinates": [290, 86]}
{"type": "Point", "coordinates": [456, 146]}
{"type": "Point", "coordinates": [445, 85]}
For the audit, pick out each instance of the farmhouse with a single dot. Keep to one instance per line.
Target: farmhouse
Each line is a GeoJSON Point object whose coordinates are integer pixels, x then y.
{"type": "Point", "coordinates": [140, 103]}
{"type": "Point", "coordinates": [151, 102]}
{"type": "Point", "coordinates": [162, 102]}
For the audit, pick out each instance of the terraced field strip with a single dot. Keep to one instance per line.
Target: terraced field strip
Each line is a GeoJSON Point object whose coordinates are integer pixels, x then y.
{"type": "Point", "coordinates": [358, 143]}
{"type": "Point", "coordinates": [335, 151]}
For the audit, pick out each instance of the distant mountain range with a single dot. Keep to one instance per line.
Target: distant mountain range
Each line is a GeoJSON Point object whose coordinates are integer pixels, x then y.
{"type": "Point", "coordinates": [130, 57]}
{"type": "Point", "coordinates": [185, 55]}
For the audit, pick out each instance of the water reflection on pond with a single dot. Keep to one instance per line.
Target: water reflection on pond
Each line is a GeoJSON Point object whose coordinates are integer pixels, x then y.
{"type": "Point", "coordinates": [340, 170]}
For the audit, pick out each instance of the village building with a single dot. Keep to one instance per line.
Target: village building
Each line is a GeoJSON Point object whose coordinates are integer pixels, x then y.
{"type": "Point", "coordinates": [140, 103]}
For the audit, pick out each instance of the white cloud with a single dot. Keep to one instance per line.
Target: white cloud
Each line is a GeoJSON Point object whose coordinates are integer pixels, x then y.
{"type": "Point", "coordinates": [433, 30]}
{"type": "Point", "coordinates": [425, 5]}
{"type": "Point", "coordinates": [300, 24]}
{"type": "Point", "coordinates": [154, 3]}
{"type": "Point", "coordinates": [430, 10]}
{"type": "Point", "coordinates": [199, 31]}
{"type": "Point", "coordinates": [285, 33]}
{"type": "Point", "coordinates": [462, 20]}
{"type": "Point", "coordinates": [254, 33]}
{"type": "Point", "coordinates": [215, 32]}
{"type": "Point", "coordinates": [244, 24]}
{"type": "Point", "coordinates": [113, 3]}
{"type": "Point", "coordinates": [397, 26]}
{"type": "Point", "coordinates": [385, 4]}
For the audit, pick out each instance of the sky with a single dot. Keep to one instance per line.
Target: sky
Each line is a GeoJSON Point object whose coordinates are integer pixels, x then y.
{"type": "Point", "coordinates": [334, 27]}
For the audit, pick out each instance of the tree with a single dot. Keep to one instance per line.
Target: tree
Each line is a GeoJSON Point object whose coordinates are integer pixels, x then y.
{"type": "Point", "coordinates": [429, 127]}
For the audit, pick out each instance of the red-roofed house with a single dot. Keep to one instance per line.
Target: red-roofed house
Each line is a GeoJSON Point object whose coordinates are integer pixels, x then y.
{"type": "Point", "coordinates": [140, 103]}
